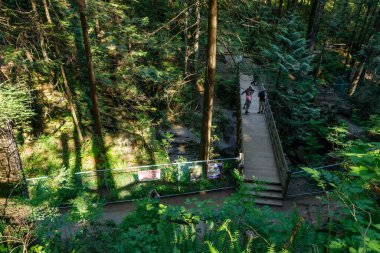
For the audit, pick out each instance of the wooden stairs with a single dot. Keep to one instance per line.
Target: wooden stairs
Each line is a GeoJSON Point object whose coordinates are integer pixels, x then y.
{"type": "Point", "coordinates": [268, 194]}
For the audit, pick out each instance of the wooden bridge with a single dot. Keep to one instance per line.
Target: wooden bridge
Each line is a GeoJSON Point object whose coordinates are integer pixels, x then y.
{"type": "Point", "coordinates": [264, 159]}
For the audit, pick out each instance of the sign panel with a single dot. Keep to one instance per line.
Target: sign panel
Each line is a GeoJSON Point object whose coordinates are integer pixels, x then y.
{"type": "Point", "coordinates": [195, 172]}
{"type": "Point", "coordinates": [214, 170]}
{"type": "Point", "coordinates": [149, 175]}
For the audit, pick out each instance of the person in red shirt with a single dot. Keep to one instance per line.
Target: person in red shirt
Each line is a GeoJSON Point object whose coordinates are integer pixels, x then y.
{"type": "Point", "coordinates": [248, 98]}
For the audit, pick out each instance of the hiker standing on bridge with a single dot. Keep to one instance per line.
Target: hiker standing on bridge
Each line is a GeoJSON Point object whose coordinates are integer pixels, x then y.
{"type": "Point", "coordinates": [255, 80]}
{"type": "Point", "coordinates": [248, 98]}
{"type": "Point", "coordinates": [262, 96]}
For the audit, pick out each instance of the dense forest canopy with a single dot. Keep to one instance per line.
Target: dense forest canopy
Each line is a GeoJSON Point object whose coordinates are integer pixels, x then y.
{"type": "Point", "coordinates": [91, 85]}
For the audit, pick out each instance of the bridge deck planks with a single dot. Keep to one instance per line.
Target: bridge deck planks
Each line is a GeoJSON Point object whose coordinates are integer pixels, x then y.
{"type": "Point", "coordinates": [259, 161]}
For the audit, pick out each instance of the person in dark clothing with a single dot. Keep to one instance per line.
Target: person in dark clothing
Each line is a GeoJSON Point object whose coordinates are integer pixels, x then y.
{"type": "Point", "coordinates": [255, 80]}
{"type": "Point", "coordinates": [154, 194]}
{"type": "Point", "coordinates": [248, 98]}
{"type": "Point", "coordinates": [262, 96]}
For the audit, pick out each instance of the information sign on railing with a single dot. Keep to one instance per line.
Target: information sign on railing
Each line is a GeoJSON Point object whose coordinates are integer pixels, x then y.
{"type": "Point", "coordinates": [149, 175]}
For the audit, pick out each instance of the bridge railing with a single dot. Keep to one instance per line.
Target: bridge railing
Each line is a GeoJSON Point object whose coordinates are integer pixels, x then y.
{"type": "Point", "coordinates": [239, 130]}
{"type": "Point", "coordinates": [277, 146]}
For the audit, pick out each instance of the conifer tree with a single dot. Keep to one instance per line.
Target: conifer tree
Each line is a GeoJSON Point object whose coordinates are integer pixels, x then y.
{"type": "Point", "coordinates": [208, 99]}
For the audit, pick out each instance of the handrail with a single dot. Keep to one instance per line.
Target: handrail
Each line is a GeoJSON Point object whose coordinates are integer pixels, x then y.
{"type": "Point", "coordinates": [239, 137]}
{"type": "Point", "coordinates": [330, 167]}
{"type": "Point", "coordinates": [277, 146]}
{"type": "Point", "coordinates": [132, 169]}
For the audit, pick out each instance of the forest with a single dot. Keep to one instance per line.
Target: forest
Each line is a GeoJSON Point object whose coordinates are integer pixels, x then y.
{"type": "Point", "coordinates": [95, 92]}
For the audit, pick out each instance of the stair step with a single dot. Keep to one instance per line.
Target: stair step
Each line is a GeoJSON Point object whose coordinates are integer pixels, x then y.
{"type": "Point", "coordinates": [275, 182]}
{"type": "Point", "coordinates": [267, 194]}
{"type": "Point", "coordinates": [269, 202]}
{"type": "Point", "coordinates": [267, 187]}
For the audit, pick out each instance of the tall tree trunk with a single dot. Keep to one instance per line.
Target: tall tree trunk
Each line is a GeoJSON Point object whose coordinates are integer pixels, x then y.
{"type": "Point", "coordinates": [314, 21]}
{"type": "Point", "coordinates": [97, 30]}
{"type": "Point", "coordinates": [208, 99]}
{"type": "Point", "coordinates": [94, 98]}
{"type": "Point", "coordinates": [185, 39]}
{"type": "Point", "coordinates": [10, 161]}
{"type": "Point", "coordinates": [47, 13]}
{"type": "Point", "coordinates": [349, 50]}
{"type": "Point", "coordinates": [279, 10]}
{"type": "Point", "coordinates": [310, 24]}
{"type": "Point", "coordinates": [39, 31]}
{"type": "Point", "coordinates": [362, 38]}
{"type": "Point", "coordinates": [104, 180]}
{"type": "Point", "coordinates": [195, 56]}
{"type": "Point", "coordinates": [66, 87]}
{"type": "Point", "coordinates": [360, 73]}
{"type": "Point", "coordinates": [317, 68]}
{"type": "Point", "coordinates": [356, 79]}
{"type": "Point", "coordinates": [70, 100]}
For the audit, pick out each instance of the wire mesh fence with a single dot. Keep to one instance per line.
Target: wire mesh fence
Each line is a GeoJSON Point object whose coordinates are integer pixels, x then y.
{"type": "Point", "coordinates": [136, 182]}
{"type": "Point", "coordinates": [303, 184]}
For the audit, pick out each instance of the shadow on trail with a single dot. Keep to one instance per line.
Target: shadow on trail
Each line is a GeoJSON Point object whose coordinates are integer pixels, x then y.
{"type": "Point", "coordinates": [65, 151]}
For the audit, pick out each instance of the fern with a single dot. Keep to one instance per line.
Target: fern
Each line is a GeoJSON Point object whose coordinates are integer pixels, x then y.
{"type": "Point", "coordinates": [248, 246]}
{"type": "Point", "coordinates": [211, 248]}
{"type": "Point", "coordinates": [271, 249]}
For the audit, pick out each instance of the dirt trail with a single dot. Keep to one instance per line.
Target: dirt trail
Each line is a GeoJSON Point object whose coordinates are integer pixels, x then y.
{"type": "Point", "coordinates": [352, 127]}
{"type": "Point", "coordinates": [307, 206]}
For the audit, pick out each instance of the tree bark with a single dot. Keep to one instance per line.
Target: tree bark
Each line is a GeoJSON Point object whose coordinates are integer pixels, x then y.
{"type": "Point", "coordinates": [93, 94]}
{"type": "Point", "coordinates": [313, 10]}
{"type": "Point", "coordinates": [363, 37]}
{"type": "Point", "coordinates": [104, 180]}
{"type": "Point", "coordinates": [66, 87]}
{"type": "Point", "coordinates": [317, 68]}
{"type": "Point", "coordinates": [349, 51]}
{"type": "Point", "coordinates": [208, 99]}
{"type": "Point", "coordinates": [314, 21]}
{"type": "Point", "coordinates": [279, 10]}
{"type": "Point", "coordinates": [10, 161]}
{"type": "Point", "coordinates": [195, 55]}
{"type": "Point", "coordinates": [39, 31]}
{"type": "Point", "coordinates": [69, 98]}
{"type": "Point", "coordinates": [360, 73]}
{"type": "Point", "coordinates": [48, 18]}
{"type": "Point", "coordinates": [185, 40]}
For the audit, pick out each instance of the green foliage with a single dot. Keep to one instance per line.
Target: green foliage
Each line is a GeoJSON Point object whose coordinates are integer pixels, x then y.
{"type": "Point", "coordinates": [53, 191]}
{"type": "Point", "coordinates": [15, 104]}
{"type": "Point", "coordinates": [373, 125]}
{"type": "Point", "coordinates": [85, 208]}
{"type": "Point", "coordinates": [354, 228]}
{"type": "Point", "coordinates": [337, 136]}
{"type": "Point", "coordinates": [235, 226]}
{"type": "Point", "coordinates": [365, 161]}
{"type": "Point", "coordinates": [302, 126]}
{"type": "Point", "coordinates": [286, 51]}
{"type": "Point", "coordinates": [137, 55]}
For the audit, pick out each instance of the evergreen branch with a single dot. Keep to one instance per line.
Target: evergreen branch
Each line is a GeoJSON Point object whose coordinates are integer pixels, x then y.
{"type": "Point", "coordinates": [173, 19]}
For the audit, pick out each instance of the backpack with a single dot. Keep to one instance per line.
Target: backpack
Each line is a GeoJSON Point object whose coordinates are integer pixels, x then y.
{"type": "Point", "coordinates": [262, 94]}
